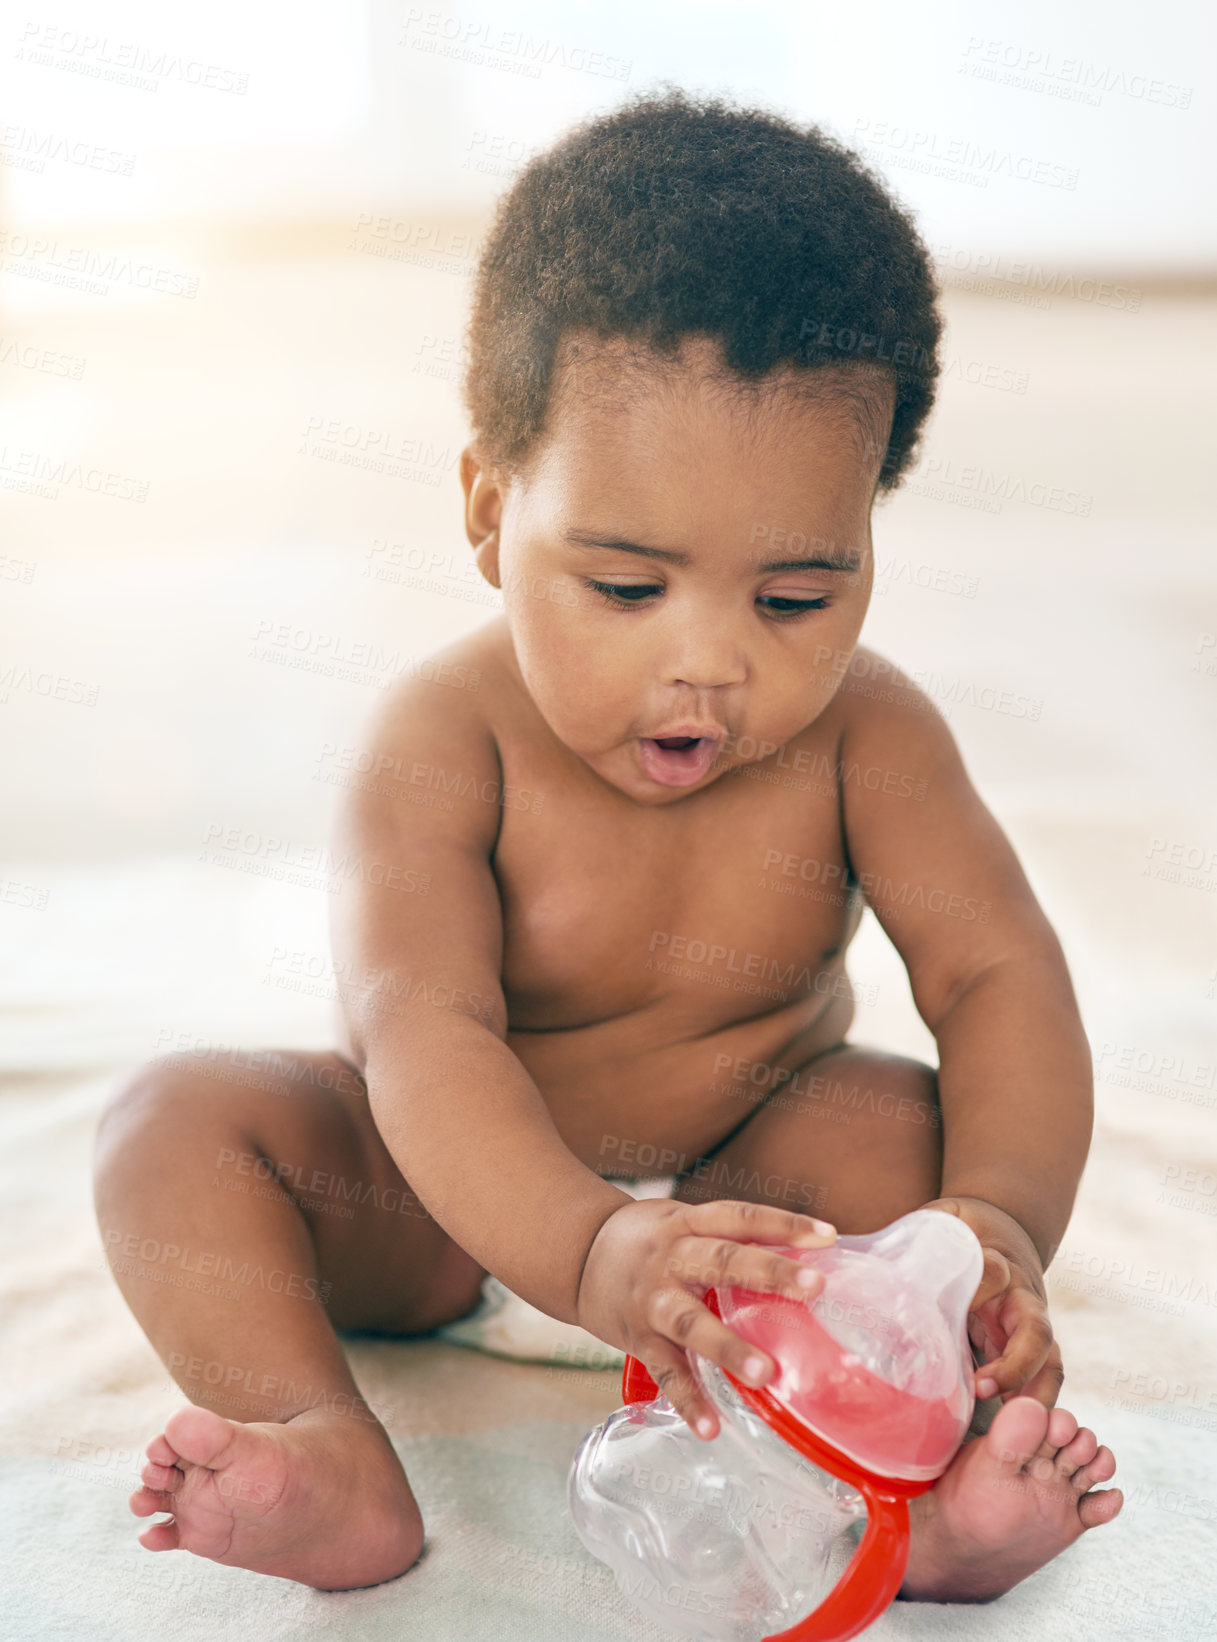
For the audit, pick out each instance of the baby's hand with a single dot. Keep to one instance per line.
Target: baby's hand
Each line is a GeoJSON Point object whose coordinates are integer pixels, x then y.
{"type": "Point", "coordinates": [652, 1261]}
{"type": "Point", "coordinates": [1008, 1317]}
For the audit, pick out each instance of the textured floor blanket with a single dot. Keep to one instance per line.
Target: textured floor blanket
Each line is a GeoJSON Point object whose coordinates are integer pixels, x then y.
{"type": "Point", "coordinates": [487, 1441]}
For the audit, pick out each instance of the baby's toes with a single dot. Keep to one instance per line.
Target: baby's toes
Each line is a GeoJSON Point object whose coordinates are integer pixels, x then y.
{"type": "Point", "coordinates": [1062, 1427]}
{"type": "Point", "coordinates": [162, 1451]}
{"type": "Point", "coordinates": [1059, 1430]}
{"type": "Point", "coordinates": [1075, 1455]}
{"type": "Point", "coordinates": [161, 1536]}
{"type": "Point", "coordinates": [146, 1502]}
{"type": "Point", "coordinates": [1099, 1507]}
{"type": "Point", "coordinates": [162, 1479]}
{"type": "Point", "coordinates": [1099, 1469]}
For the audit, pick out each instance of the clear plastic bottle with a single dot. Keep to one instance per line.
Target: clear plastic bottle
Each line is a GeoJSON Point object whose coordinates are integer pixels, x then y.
{"type": "Point", "coordinates": [733, 1539]}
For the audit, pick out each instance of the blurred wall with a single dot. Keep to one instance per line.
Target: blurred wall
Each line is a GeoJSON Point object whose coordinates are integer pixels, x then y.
{"type": "Point", "coordinates": [233, 275]}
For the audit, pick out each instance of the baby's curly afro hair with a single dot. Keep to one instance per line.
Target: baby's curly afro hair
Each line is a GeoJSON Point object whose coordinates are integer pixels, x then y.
{"type": "Point", "coordinates": [673, 215]}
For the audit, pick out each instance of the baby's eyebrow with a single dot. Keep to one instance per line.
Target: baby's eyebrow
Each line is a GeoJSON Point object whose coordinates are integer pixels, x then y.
{"type": "Point", "coordinates": [846, 563]}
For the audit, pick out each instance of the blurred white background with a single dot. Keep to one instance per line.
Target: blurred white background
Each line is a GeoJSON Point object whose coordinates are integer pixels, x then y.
{"type": "Point", "coordinates": [235, 248]}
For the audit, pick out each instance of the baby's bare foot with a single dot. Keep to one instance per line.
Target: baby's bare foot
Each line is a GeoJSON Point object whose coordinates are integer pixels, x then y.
{"type": "Point", "coordinates": [1008, 1502]}
{"type": "Point", "coordinates": [321, 1498]}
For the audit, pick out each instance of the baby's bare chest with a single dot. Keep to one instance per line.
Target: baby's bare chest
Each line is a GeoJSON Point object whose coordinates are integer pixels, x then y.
{"type": "Point", "coordinates": [719, 909]}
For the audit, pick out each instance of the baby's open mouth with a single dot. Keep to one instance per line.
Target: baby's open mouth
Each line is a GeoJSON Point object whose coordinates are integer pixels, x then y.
{"type": "Point", "coordinates": [676, 760]}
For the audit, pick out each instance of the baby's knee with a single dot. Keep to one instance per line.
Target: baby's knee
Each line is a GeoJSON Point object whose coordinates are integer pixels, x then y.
{"type": "Point", "coordinates": [907, 1093]}
{"type": "Point", "coordinates": [172, 1092]}
{"type": "Point", "coordinates": [137, 1094]}
{"type": "Point", "coordinates": [893, 1095]}
{"type": "Point", "coordinates": [143, 1102]}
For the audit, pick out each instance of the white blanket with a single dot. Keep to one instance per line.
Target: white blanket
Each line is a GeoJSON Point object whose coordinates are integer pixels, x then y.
{"type": "Point", "coordinates": [486, 1441]}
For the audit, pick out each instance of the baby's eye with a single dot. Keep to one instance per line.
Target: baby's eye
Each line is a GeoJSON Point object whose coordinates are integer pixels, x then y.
{"type": "Point", "coordinates": [791, 609]}
{"type": "Point", "coordinates": [628, 594]}
{"type": "Point", "coordinates": [632, 594]}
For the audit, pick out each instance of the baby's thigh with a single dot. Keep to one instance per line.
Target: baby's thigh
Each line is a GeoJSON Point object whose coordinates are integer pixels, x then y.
{"type": "Point", "coordinates": [393, 1268]}
{"type": "Point", "coordinates": [294, 1129]}
{"type": "Point", "coordinates": [854, 1137]}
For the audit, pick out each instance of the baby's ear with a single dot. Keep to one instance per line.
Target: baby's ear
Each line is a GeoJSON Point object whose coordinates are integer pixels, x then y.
{"type": "Point", "coordinates": [483, 512]}
{"type": "Point", "coordinates": [486, 553]}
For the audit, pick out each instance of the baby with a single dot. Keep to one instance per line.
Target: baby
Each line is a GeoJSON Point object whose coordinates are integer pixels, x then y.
{"type": "Point", "coordinates": [628, 866]}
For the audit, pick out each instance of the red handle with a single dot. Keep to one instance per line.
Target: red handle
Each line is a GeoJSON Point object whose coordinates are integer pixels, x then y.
{"type": "Point", "coordinates": [876, 1569]}
{"type": "Point", "coordinates": [867, 1586]}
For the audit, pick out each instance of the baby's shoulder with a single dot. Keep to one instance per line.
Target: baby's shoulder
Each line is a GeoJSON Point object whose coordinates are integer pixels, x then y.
{"type": "Point", "coordinates": [440, 715]}
{"type": "Point", "coordinates": [875, 695]}
{"type": "Point", "coordinates": [872, 682]}
{"type": "Point", "coordinates": [422, 768]}
{"type": "Point", "coordinates": [884, 715]}
{"type": "Point", "coordinates": [457, 688]}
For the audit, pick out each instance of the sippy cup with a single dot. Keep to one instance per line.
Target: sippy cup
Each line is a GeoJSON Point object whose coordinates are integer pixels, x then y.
{"type": "Point", "coordinates": [731, 1540]}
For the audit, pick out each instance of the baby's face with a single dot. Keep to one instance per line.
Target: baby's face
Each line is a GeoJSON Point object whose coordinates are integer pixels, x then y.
{"type": "Point", "coordinates": [735, 625]}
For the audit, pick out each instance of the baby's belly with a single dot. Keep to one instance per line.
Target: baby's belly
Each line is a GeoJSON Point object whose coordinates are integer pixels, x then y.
{"type": "Point", "coordinates": [639, 1096]}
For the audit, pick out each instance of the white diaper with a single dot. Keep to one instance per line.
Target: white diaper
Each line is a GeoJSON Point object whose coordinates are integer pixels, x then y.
{"type": "Point", "coordinates": [507, 1326]}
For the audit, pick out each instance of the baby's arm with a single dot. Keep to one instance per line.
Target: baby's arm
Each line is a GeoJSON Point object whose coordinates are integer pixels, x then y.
{"type": "Point", "coordinates": [419, 977]}
{"type": "Point", "coordinates": [987, 972]}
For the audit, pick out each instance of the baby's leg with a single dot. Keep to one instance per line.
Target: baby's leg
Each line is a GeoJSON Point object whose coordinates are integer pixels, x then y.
{"type": "Point", "coordinates": [249, 1207]}
{"type": "Point", "coordinates": [855, 1137]}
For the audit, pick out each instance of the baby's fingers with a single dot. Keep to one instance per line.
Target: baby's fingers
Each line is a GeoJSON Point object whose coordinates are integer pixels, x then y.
{"type": "Point", "coordinates": [1030, 1361]}
{"type": "Point", "coordinates": [718, 1262]}
{"type": "Point", "coordinates": [994, 1279]}
{"type": "Point", "coordinates": [672, 1372]}
{"type": "Point", "coordinates": [682, 1320]}
{"type": "Point", "coordinates": [757, 1223]}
